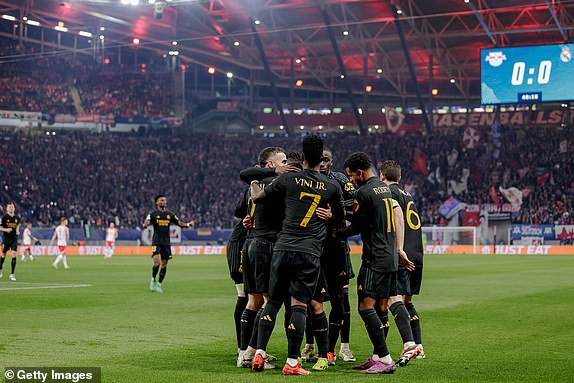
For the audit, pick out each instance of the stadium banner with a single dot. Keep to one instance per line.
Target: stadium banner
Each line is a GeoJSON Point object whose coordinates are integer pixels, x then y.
{"type": "Point", "coordinates": [396, 122]}
{"type": "Point", "coordinates": [64, 119]}
{"type": "Point", "coordinates": [355, 249]}
{"type": "Point", "coordinates": [23, 116]}
{"type": "Point", "coordinates": [545, 231]}
{"type": "Point", "coordinates": [486, 119]}
{"type": "Point", "coordinates": [500, 249]}
{"type": "Point", "coordinates": [123, 250]}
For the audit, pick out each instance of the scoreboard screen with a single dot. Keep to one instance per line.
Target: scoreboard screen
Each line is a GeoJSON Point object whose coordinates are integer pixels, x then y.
{"type": "Point", "coordinates": [527, 74]}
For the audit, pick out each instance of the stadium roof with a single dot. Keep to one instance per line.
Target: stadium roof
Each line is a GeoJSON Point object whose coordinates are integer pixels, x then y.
{"type": "Point", "coordinates": [297, 43]}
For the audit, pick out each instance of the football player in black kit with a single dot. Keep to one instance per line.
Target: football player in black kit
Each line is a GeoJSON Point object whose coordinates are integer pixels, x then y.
{"type": "Point", "coordinates": [233, 252]}
{"type": "Point", "coordinates": [295, 266]}
{"type": "Point", "coordinates": [264, 221]}
{"type": "Point", "coordinates": [408, 282]}
{"type": "Point", "coordinates": [337, 270]}
{"type": "Point", "coordinates": [373, 217]}
{"type": "Point", "coordinates": [161, 219]}
{"type": "Point", "coordinates": [10, 225]}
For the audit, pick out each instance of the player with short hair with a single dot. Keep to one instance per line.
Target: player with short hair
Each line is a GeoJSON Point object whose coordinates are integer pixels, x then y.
{"type": "Point", "coordinates": [295, 265]}
{"type": "Point", "coordinates": [408, 282]}
{"type": "Point", "coordinates": [337, 270]}
{"type": "Point", "coordinates": [62, 233]}
{"type": "Point", "coordinates": [10, 226]}
{"type": "Point", "coordinates": [264, 219]}
{"type": "Point", "coordinates": [373, 210]}
{"type": "Point", "coordinates": [161, 219]}
{"type": "Point", "coordinates": [111, 236]}
{"type": "Point", "coordinates": [27, 238]}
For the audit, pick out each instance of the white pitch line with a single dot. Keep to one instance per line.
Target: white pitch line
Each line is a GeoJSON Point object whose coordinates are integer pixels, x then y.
{"type": "Point", "coordinates": [44, 287]}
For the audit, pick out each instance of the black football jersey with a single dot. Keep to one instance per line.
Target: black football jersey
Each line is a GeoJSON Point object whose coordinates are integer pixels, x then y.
{"type": "Point", "coordinates": [413, 233]}
{"type": "Point", "coordinates": [161, 220]}
{"type": "Point", "coordinates": [10, 222]}
{"type": "Point", "coordinates": [267, 215]}
{"type": "Point", "coordinates": [303, 193]}
{"type": "Point", "coordinates": [373, 217]}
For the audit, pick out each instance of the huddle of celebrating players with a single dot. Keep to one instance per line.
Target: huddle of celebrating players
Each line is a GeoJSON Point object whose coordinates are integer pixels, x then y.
{"type": "Point", "coordinates": [291, 249]}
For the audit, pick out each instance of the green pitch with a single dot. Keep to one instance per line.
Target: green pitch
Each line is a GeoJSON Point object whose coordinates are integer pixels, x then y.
{"type": "Point", "coordinates": [485, 318]}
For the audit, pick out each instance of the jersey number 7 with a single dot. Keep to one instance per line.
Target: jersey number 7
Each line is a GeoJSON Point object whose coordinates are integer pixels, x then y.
{"type": "Point", "coordinates": [312, 208]}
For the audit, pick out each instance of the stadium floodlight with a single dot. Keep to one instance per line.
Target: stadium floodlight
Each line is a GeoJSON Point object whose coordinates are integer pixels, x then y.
{"type": "Point", "coordinates": [257, 21]}
{"type": "Point", "coordinates": [33, 22]}
{"type": "Point", "coordinates": [174, 43]}
{"type": "Point", "coordinates": [85, 34]}
{"type": "Point", "coordinates": [236, 43]}
{"type": "Point", "coordinates": [281, 127]}
{"type": "Point", "coordinates": [261, 127]}
{"type": "Point", "coordinates": [380, 70]}
{"type": "Point", "coordinates": [341, 127]}
{"type": "Point", "coordinates": [302, 127]}
{"type": "Point", "coordinates": [298, 61]}
{"type": "Point", "coordinates": [452, 80]}
{"type": "Point", "coordinates": [173, 53]}
{"type": "Point", "coordinates": [229, 75]}
{"type": "Point", "coordinates": [342, 76]}
{"type": "Point", "coordinates": [8, 17]}
{"type": "Point", "coordinates": [60, 28]}
{"type": "Point", "coordinates": [376, 126]}
{"type": "Point", "coordinates": [345, 33]}
{"type": "Point", "coordinates": [102, 37]}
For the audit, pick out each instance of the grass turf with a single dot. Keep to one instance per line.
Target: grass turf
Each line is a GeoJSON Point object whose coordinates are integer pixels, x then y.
{"type": "Point", "coordinates": [485, 318]}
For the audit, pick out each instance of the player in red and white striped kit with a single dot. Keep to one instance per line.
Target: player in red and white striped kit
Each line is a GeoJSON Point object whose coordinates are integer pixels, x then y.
{"type": "Point", "coordinates": [27, 238]}
{"type": "Point", "coordinates": [63, 235]}
{"type": "Point", "coordinates": [111, 235]}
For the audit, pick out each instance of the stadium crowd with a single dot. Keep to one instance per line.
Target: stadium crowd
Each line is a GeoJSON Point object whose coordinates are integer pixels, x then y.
{"type": "Point", "coordinates": [97, 177]}
{"type": "Point", "coordinates": [33, 83]}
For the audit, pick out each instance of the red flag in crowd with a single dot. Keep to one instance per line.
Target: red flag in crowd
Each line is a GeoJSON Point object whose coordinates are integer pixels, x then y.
{"type": "Point", "coordinates": [494, 196]}
{"type": "Point", "coordinates": [541, 180]}
{"type": "Point", "coordinates": [420, 162]}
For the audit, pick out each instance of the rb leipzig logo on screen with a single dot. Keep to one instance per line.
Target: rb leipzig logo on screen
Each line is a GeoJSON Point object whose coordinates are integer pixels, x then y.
{"type": "Point", "coordinates": [495, 59]}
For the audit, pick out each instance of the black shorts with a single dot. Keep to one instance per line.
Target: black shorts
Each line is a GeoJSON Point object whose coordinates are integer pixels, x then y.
{"type": "Point", "coordinates": [163, 250]}
{"type": "Point", "coordinates": [335, 263]}
{"type": "Point", "coordinates": [409, 283]}
{"type": "Point", "coordinates": [322, 290]}
{"type": "Point", "coordinates": [294, 274]}
{"type": "Point", "coordinates": [257, 265]}
{"type": "Point", "coordinates": [234, 260]}
{"type": "Point", "coordinates": [376, 285]}
{"type": "Point", "coordinates": [9, 245]}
